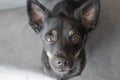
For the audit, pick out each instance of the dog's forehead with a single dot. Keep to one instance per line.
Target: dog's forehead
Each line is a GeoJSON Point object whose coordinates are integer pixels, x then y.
{"type": "Point", "coordinates": [63, 24]}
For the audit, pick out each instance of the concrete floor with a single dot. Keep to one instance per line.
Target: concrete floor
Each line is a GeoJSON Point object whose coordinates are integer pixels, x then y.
{"type": "Point", "coordinates": [20, 47]}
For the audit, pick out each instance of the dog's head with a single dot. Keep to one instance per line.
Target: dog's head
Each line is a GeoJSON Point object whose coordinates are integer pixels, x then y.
{"type": "Point", "coordinates": [62, 35]}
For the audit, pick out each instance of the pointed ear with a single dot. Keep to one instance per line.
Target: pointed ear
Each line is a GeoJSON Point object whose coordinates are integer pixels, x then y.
{"type": "Point", "coordinates": [88, 15]}
{"type": "Point", "coordinates": [37, 14]}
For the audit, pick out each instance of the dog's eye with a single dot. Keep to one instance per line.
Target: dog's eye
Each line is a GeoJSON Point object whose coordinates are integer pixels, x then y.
{"type": "Point", "coordinates": [75, 39]}
{"type": "Point", "coordinates": [50, 39]}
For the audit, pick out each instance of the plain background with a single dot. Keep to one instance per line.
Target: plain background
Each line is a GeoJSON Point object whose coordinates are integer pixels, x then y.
{"type": "Point", "coordinates": [20, 47]}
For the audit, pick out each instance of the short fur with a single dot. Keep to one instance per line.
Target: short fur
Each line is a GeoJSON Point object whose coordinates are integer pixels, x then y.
{"type": "Point", "coordinates": [64, 32]}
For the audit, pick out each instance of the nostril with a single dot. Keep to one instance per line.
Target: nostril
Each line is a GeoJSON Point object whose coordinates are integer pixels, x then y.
{"type": "Point", "coordinates": [62, 63]}
{"type": "Point", "coordinates": [59, 63]}
{"type": "Point", "coordinates": [66, 63]}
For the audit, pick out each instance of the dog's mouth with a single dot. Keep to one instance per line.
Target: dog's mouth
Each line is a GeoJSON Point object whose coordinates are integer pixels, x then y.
{"type": "Point", "coordinates": [62, 64]}
{"type": "Point", "coordinates": [64, 70]}
{"type": "Point", "coordinates": [60, 67]}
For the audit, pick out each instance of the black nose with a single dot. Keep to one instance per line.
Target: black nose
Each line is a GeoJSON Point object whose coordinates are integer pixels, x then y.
{"type": "Point", "coordinates": [61, 62]}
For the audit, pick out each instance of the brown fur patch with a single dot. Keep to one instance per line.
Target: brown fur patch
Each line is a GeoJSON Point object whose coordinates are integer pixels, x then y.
{"type": "Point", "coordinates": [71, 32]}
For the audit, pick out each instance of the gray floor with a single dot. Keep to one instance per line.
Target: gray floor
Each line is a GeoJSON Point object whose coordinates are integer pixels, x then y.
{"type": "Point", "coordinates": [20, 47]}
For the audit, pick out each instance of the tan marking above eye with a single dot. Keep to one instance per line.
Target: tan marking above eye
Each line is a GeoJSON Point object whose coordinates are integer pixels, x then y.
{"type": "Point", "coordinates": [71, 32]}
{"type": "Point", "coordinates": [54, 32]}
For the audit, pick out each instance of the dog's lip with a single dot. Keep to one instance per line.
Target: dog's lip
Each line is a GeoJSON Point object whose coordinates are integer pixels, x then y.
{"type": "Point", "coordinates": [63, 70]}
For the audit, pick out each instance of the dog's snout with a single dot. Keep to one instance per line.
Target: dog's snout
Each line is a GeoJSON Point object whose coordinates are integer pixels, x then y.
{"type": "Point", "coordinates": [61, 62]}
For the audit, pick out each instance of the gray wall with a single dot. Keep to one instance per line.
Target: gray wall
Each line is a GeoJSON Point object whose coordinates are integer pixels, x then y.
{"type": "Point", "coordinates": [9, 4]}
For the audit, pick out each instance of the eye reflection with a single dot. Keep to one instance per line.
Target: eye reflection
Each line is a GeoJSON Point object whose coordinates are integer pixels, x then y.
{"type": "Point", "coordinates": [50, 39]}
{"type": "Point", "coordinates": [75, 39]}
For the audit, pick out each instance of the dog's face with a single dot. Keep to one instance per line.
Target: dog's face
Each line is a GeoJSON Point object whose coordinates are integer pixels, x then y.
{"type": "Point", "coordinates": [62, 42]}
{"type": "Point", "coordinates": [62, 35]}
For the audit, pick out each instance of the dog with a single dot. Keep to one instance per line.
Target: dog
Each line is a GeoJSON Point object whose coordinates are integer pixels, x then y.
{"type": "Point", "coordinates": [63, 32]}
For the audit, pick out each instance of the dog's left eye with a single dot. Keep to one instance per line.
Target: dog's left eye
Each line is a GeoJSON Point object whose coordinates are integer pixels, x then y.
{"type": "Point", "coordinates": [75, 39]}
{"type": "Point", "coordinates": [50, 39]}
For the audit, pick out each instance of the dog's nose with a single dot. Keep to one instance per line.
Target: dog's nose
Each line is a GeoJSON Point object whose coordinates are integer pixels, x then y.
{"type": "Point", "coordinates": [62, 62]}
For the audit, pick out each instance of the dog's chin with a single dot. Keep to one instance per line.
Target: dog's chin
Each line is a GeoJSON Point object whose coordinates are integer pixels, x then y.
{"type": "Point", "coordinates": [74, 70]}
{"type": "Point", "coordinates": [61, 71]}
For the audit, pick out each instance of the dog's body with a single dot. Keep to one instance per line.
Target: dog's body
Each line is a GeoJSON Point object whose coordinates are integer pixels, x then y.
{"type": "Point", "coordinates": [64, 31]}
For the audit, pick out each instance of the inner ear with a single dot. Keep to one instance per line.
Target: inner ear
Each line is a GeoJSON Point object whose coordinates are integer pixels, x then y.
{"type": "Point", "coordinates": [37, 14]}
{"type": "Point", "coordinates": [88, 14]}
{"type": "Point", "coordinates": [88, 17]}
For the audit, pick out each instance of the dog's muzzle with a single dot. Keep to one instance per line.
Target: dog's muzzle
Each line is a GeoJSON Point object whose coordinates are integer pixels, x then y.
{"type": "Point", "coordinates": [60, 63]}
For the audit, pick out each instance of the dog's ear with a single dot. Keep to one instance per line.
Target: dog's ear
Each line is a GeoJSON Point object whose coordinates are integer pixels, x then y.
{"type": "Point", "coordinates": [88, 15]}
{"type": "Point", "coordinates": [37, 14]}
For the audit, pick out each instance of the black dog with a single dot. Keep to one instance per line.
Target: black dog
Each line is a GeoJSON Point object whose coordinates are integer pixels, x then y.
{"type": "Point", "coordinates": [64, 31]}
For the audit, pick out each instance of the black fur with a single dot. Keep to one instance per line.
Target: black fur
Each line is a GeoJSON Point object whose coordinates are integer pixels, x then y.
{"type": "Point", "coordinates": [64, 32]}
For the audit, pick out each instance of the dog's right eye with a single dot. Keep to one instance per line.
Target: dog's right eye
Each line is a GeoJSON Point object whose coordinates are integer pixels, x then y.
{"type": "Point", "coordinates": [50, 39]}
{"type": "Point", "coordinates": [75, 39]}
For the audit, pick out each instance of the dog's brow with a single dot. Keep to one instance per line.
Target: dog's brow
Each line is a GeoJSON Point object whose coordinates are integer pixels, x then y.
{"type": "Point", "coordinates": [54, 32]}
{"type": "Point", "coordinates": [71, 32]}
